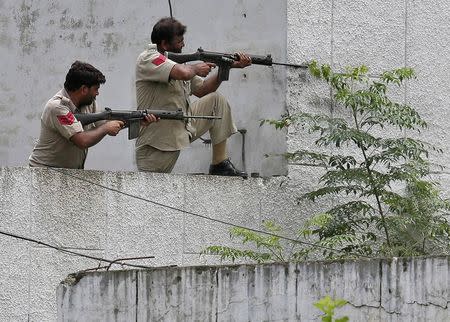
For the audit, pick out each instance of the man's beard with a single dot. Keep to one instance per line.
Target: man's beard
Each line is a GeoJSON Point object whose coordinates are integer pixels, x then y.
{"type": "Point", "coordinates": [175, 50]}
{"type": "Point", "coordinates": [87, 101]}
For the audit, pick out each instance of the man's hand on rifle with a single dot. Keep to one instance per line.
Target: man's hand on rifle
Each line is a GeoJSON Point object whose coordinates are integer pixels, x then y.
{"type": "Point", "coordinates": [149, 118]}
{"type": "Point", "coordinates": [113, 127]}
{"type": "Point", "coordinates": [244, 61]}
{"type": "Point", "coordinates": [203, 69]}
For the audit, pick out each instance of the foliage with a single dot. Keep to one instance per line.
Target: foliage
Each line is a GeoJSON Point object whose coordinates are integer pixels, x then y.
{"type": "Point", "coordinates": [268, 248]}
{"type": "Point", "coordinates": [327, 305]}
{"type": "Point", "coordinates": [387, 205]}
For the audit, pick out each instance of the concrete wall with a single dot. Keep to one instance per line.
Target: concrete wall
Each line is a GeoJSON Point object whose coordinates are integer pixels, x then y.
{"type": "Point", "coordinates": [40, 39]}
{"type": "Point", "coordinates": [381, 35]}
{"type": "Point", "coordinates": [59, 209]}
{"type": "Point", "coordinates": [377, 290]}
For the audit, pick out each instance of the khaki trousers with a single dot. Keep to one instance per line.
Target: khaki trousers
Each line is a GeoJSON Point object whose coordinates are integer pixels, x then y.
{"type": "Point", "coordinates": [151, 159]}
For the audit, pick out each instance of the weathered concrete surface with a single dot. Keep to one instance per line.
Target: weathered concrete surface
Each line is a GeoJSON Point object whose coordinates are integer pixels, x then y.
{"type": "Point", "coordinates": [64, 211]}
{"type": "Point", "coordinates": [40, 39]}
{"type": "Point", "coordinates": [400, 289]}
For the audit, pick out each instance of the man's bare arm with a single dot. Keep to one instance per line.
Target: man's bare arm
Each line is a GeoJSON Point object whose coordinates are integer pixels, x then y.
{"type": "Point", "coordinates": [211, 84]}
{"type": "Point", "coordinates": [187, 72]}
{"type": "Point", "coordinates": [86, 139]}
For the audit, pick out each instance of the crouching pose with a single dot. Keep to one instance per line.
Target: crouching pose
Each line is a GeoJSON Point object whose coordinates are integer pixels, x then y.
{"type": "Point", "coordinates": [163, 83]}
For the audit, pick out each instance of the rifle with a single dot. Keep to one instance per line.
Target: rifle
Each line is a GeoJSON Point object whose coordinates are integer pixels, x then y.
{"type": "Point", "coordinates": [223, 60]}
{"type": "Point", "coordinates": [133, 118]}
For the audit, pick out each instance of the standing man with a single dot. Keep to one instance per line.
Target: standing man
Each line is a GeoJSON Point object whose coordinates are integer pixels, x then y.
{"type": "Point", "coordinates": [164, 84]}
{"type": "Point", "coordinates": [63, 141]}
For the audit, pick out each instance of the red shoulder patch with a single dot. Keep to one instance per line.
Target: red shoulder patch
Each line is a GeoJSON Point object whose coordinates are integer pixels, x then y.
{"type": "Point", "coordinates": [159, 60]}
{"type": "Point", "coordinates": [67, 119]}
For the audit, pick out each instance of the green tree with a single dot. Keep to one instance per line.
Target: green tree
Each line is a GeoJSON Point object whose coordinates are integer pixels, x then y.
{"type": "Point", "coordinates": [388, 205]}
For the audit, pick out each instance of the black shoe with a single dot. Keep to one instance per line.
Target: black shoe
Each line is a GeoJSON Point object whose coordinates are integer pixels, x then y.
{"type": "Point", "coordinates": [226, 168]}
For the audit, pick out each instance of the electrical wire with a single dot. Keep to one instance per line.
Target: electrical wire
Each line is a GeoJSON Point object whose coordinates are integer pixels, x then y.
{"type": "Point", "coordinates": [64, 250]}
{"type": "Point", "coordinates": [203, 216]}
{"type": "Point", "coordinates": [170, 9]}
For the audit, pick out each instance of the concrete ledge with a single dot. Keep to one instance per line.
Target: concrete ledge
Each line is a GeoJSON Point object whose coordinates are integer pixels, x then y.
{"type": "Point", "coordinates": [401, 289]}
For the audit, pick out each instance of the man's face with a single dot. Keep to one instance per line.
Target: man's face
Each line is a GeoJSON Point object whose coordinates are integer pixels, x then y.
{"type": "Point", "coordinates": [176, 45]}
{"type": "Point", "coordinates": [89, 94]}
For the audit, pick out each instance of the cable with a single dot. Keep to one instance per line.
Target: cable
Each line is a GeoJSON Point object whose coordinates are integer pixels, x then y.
{"type": "Point", "coordinates": [202, 216]}
{"type": "Point", "coordinates": [170, 9]}
{"type": "Point", "coordinates": [75, 253]}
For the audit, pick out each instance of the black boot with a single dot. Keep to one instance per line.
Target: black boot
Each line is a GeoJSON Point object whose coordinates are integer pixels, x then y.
{"type": "Point", "coordinates": [226, 168]}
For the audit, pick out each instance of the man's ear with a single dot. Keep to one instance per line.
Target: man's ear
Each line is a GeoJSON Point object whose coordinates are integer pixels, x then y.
{"type": "Point", "coordinates": [165, 45]}
{"type": "Point", "coordinates": [84, 89]}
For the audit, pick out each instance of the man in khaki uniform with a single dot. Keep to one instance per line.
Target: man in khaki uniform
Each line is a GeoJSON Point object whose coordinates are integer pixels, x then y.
{"type": "Point", "coordinates": [63, 141]}
{"type": "Point", "coordinates": [164, 84]}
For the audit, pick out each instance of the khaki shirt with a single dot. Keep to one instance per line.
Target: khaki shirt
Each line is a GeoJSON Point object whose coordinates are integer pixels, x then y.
{"type": "Point", "coordinates": [155, 90]}
{"type": "Point", "coordinates": [58, 125]}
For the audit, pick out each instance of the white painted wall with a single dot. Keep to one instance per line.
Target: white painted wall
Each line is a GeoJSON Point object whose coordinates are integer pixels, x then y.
{"type": "Point", "coordinates": [40, 39]}
{"type": "Point", "coordinates": [381, 35]}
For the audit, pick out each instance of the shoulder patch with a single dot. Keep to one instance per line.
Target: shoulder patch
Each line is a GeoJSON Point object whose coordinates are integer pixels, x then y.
{"type": "Point", "coordinates": [66, 119]}
{"type": "Point", "coordinates": [159, 60]}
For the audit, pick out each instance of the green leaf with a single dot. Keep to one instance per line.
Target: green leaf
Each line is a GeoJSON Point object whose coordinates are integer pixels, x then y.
{"type": "Point", "coordinates": [374, 176]}
{"type": "Point", "coordinates": [344, 319]}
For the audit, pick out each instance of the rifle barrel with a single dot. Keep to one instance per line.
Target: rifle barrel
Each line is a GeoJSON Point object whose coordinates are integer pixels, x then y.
{"type": "Point", "coordinates": [208, 117]}
{"type": "Point", "coordinates": [291, 65]}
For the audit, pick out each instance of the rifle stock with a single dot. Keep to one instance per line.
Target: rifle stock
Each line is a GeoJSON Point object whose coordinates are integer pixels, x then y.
{"type": "Point", "coordinates": [132, 119]}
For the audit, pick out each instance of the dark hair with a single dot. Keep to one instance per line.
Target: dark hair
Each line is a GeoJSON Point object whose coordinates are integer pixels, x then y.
{"type": "Point", "coordinates": [167, 29]}
{"type": "Point", "coordinates": [83, 74]}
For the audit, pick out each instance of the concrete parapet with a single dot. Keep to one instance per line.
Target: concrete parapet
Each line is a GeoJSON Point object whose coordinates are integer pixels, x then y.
{"type": "Point", "coordinates": [399, 289]}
